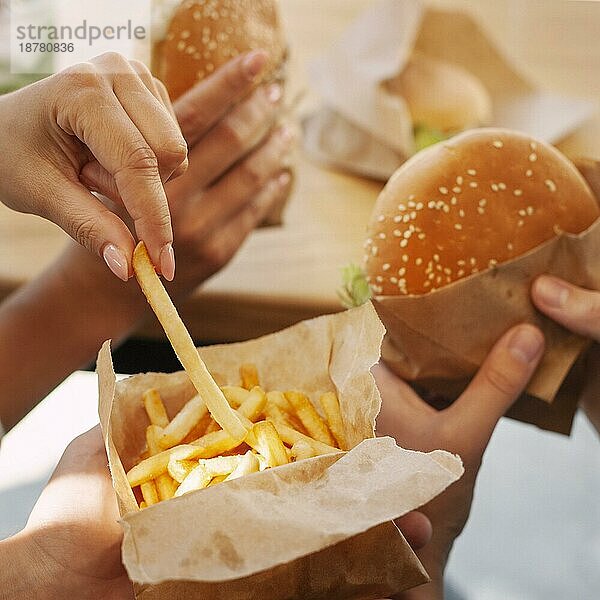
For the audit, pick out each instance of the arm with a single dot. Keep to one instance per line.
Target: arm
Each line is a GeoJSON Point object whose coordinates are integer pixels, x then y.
{"type": "Point", "coordinates": [578, 310]}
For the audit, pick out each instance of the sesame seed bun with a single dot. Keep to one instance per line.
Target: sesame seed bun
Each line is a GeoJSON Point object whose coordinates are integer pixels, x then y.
{"type": "Point", "coordinates": [205, 34]}
{"type": "Point", "coordinates": [482, 198]}
{"type": "Point", "coordinates": [441, 95]}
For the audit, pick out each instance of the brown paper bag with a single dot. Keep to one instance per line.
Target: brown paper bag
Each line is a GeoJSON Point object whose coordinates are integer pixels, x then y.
{"type": "Point", "coordinates": [439, 340]}
{"type": "Point", "coordinates": [312, 529]}
{"type": "Point", "coordinates": [371, 132]}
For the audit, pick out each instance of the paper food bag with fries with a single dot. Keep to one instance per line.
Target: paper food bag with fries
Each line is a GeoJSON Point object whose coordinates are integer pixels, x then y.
{"type": "Point", "coordinates": [296, 505]}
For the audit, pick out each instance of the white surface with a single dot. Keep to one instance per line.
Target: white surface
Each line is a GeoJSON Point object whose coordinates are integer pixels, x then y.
{"type": "Point", "coordinates": [534, 532]}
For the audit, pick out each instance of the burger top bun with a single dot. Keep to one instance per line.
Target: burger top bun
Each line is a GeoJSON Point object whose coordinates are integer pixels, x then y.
{"type": "Point", "coordinates": [464, 205]}
{"type": "Point", "coordinates": [205, 34]}
{"type": "Point", "coordinates": [441, 95]}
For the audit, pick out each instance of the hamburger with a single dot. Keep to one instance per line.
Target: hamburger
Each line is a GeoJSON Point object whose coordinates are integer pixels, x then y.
{"type": "Point", "coordinates": [457, 208]}
{"type": "Point", "coordinates": [442, 98]}
{"type": "Point", "coordinates": [196, 37]}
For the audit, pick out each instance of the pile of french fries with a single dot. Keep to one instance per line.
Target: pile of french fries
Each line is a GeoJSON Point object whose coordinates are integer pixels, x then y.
{"type": "Point", "coordinates": [191, 452]}
{"type": "Point", "coordinates": [222, 432]}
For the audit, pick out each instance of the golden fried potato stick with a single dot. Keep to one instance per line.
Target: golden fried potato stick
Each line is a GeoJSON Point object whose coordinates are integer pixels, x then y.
{"type": "Point", "coordinates": [143, 505]}
{"type": "Point", "coordinates": [164, 483]}
{"type": "Point", "coordinates": [248, 464]}
{"type": "Point", "coordinates": [235, 394]}
{"type": "Point", "coordinates": [302, 449]}
{"type": "Point", "coordinates": [183, 422]}
{"type": "Point", "coordinates": [155, 408]}
{"type": "Point", "coordinates": [198, 479]}
{"type": "Point", "coordinates": [331, 407]}
{"type": "Point", "coordinates": [180, 469]}
{"type": "Point", "coordinates": [278, 399]}
{"type": "Point", "coordinates": [311, 419]}
{"type": "Point", "coordinates": [252, 407]}
{"type": "Point", "coordinates": [290, 436]}
{"type": "Point", "coordinates": [149, 493]}
{"type": "Point", "coordinates": [211, 427]}
{"type": "Point", "coordinates": [183, 345]}
{"type": "Point", "coordinates": [153, 466]}
{"type": "Point", "coordinates": [249, 375]}
{"type": "Point", "coordinates": [269, 444]}
{"type": "Point", "coordinates": [215, 443]}
{"type": "Point", "coordinates": [217, 479]}
{"type": "Point", "coordinates": [221, 465]}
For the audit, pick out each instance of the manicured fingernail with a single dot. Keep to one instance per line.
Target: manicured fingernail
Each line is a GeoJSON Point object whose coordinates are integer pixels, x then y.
{"type": "Point", "coordinates": [274, 93]}
{"type": "Point", "coordinates": [253, 63]}
{"type": "Point", "coordinates": [284, 179]}
{"type": "Point", "coordinates": [167, 262]}
{"type": "Point", "coordinates": [552, 292]}
{"type": "Point", "coordinates": [115, 258]}
{"type": "Point", "coordinates": [525, 344]}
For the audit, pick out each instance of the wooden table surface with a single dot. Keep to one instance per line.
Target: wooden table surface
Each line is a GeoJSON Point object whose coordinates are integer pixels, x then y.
{"type": "Point", "coordinates": [288, 273]}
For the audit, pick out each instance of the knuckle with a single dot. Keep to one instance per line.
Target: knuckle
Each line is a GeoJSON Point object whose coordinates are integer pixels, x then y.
{"type": "Point", "coordinates": [86, 232]}
{"type": "Point", "coordinates": [111, 59]}
{"type": "Point", "coordinates": [502, 379]}
{"type": "Point", "coordinates": [252, 174]}
{"type": "Point", "coordinates": [141, 158]}
{"type": "Point", "coordinates": [233, 135]}
{"type": "Point", "coordinates": [80, 77]}
{"type": "Point", "coordinates": [140, 67]}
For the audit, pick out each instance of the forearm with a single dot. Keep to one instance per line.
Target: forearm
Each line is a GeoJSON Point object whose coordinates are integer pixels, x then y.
{"type": "Point", "coordinates": [56, 324]}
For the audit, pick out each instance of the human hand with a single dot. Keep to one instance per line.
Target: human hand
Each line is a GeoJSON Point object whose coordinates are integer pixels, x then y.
{"type": "Point", "coordinates": [578, 310]}
{"type": "Point", "coordinates": [71, 545]}
{"type": "Point", "coordinates": [463, 428]}
{"type": "Point", "coordinates": [106, 119]}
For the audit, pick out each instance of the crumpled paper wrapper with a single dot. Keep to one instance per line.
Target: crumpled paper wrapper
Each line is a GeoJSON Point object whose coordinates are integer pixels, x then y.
{"type": "Point", "coordinates": [364, 129]}
{"type": "Point", "coordinates": [440, 339]}
{"type": "Point", "coordinates": [319, 528]}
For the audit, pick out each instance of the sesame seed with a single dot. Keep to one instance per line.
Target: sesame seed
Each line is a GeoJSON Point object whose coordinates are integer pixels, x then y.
{"type": "Point", "coordinates": [520, 223]}
{"type": "Point", "coordinates": [411, 197]}
{"type": "Point", "coordinates": [494, 187]}
{"type": "Point", "coordinates": [460, 273]}
{"type": "Point", "coordinates": [446, 208]}
{"type": "Point", "coordinates": [493, 262]}
{"type": "Point", "coordinates": [461, 213]}
{"type": "Point", "coordinates": [381, 218]}
{"type": "Point", "coordinates": [394, 280]}
{"type": "Point", "coordinates": [447, 271]}
{"type": "Point", "coordinates": [461, 263]}
{"type": "Point", "coordinates": [436, 257]}
{"type": "Point", "coordinates": [403, 243]}
{"type": "Point", "coordinates": [407, 234]}
{"type": "Point", "coordinates": [421, 236]}
{"type": "Point", "coordinates": [497, 144]}
{"type": "Point", "coordinates": [443, 190]}
{"type": "Point", "coordinates": [185, 34]}
{"type": "Point", "coordinates": [532, 157]}
{"type": "Point", "coordinates": [530, 210]}
{"type": "Point", "coordinates": [456, 189]}
{"type": "Point", "coordinates": [459, 180]}
{"type": "Point", "coordinates": [473, 261]}
{"type": "Point", "coordinates": [457, 226]}
{"type": "Point", "coordinates": [405, 218]}
{"type": "Point", "coordinates": [431, 204]}
{"type": "Point", "coordinates": [431, 276]}
{"type": "Point", "coordinates": [405, 258]}
{"type": "Point", "coordinates": [482, 202]}
{"type": "Point", "coordinates": [550, 184]}
{"type": "Point", "coordinates": [522, 212]}
{"type": "Point", "coordinates": [502, 186]}
{"type": "Point", "coordinates": [510, 247]}
{"type": "Point", "coordinates": [382, 235]}
{"type": "Point", "coordinates": [473, 184]}
{"type": "Point", "coordinates": [528, 173]}
{"type": "Point", "coordinates": [397, 233]}
{"type": "Point", "coordinates": [413, 215]}
{"type": "Point", "coordinates": [472, 172]}
{"type": "Point", "coordinates": [397, 219]}
{"type": "Point", "coordinates": [481, 210]}
{"type": "Point", "coordinates": [438, 267]}
{"type": "Point", "coordinates": [402, 271]}
{"type": "Point", "coordinates": [453, 201]}
{"type": "Point", "coordinates": [401, 207]}
{"type": "Point", "coordinates": [374, 250]}
{"type": "Point", "coordinates": [181, 46]}
{"type": "Point", "coordinates": [411, 204]}
{"type": "Point", "coordinates": [533, 145]}
{"type": "Point", "coordinates": [379, 279]}
{"type": "Point", "coordinates": [518, 192]}
{"type": "Point", "coordinates": [418, 261]}
{"type": "Point", "coordinates": [438, 279]}
{"type": "Point", "coordinates": [385, 267]}
{"type": "Point", "coordinates": [419, 206]}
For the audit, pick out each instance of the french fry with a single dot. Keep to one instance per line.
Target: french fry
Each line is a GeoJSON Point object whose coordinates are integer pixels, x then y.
{"type": "Point", "coordinates": [331, 407]}
{"type": "Point", "coordinates": [221, 465]}
{"type": "Point", "coordinates": [234, 394]}
{"type": "Point", "coordinates": [316, 427]}
{"type": "Point", "coordinates": [165, 485]}
{"type": "Point", "coordinates": [149, 493]}
{"type": "Point", "coordinates": [183, 345]}
{"type": "Point", "coordinates": [180, 469]}
{"type": "Point", "coordinates": [248, 464]}
{"type": "Point", "coordinates": [290, 436]}
{"type": "Point", "coordinates": [252, 407]}
{"type": "Point", "coordinates": [211, 427]}
{"type": "Point", "coordinates": [183, 422]}
{"type": "Point", "coordinates": [143, 505]}
{"type": "Point", "coordinates": [155, 408]}
{"type": "Point", "coordinates": [153, 466]}
{"type": "Point", "coordinates": [199, 429]}
{"type": "Point", "coordinates": [215, 443]}
{"type": "Point", "coordinates": [269, 444]}
{"type": "Point", "coordinates": [217, 479]}
{"type": "Point", "coordinates": [302, 449]}
{"type": "Point", "coordinates": [249, 376]}
{"type": "Point", "coordinates": [278, 399]}
{"type": "Point", "coordinates": [197, 479]}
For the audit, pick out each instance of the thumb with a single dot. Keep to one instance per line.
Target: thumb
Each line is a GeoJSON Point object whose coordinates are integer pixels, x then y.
{"type": "Point", "coordinates": [93, 225]}
{"type": "Point", "coordinates": [498, 383]}
{"type": "Point", "coordinates": [573, 307]}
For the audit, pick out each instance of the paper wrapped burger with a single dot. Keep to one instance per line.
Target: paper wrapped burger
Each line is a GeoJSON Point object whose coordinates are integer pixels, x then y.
{"type": "Point", "coordinates": [457, 237]}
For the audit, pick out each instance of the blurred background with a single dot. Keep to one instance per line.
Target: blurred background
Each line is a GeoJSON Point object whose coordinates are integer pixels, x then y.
{"type": "Point", "coordinates": [534, 533]}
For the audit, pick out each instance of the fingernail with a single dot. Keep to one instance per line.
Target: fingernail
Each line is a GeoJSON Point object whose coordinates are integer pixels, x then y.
{"type": "Point", "coordinates": [167, 262]}
{"type": "Point", "coordinates": [116, 261]}
{"type": "Point", "coordinates": [284, 179]}
{"type": "Point", "coordinates": [274, 93]}
{"type": "Point", "coordinates": [525, 344]}
{"type": "Point", "coordinates": [552, 292]}
{"type": "Point", "coordinates": [253, 63]}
